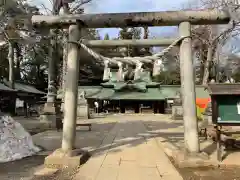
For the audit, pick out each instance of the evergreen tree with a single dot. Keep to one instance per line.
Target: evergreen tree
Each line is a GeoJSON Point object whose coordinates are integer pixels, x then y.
{"type": "Point", "coordinates": [131, 33]}
{"type": "Point", "coordinates": [106, 37]}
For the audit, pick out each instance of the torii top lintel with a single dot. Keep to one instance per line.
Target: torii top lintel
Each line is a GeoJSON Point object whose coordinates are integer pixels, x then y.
{"type": "Point", "coordinates": [138, 19]}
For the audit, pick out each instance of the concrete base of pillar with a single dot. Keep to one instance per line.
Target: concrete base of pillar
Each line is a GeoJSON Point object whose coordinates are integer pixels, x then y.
{"type": "Point", "coordinates": [72, 159]}
{"type": "Point", "coordinates": [177, 112]}
{"type": "Point", "coordinates": [193, 160]}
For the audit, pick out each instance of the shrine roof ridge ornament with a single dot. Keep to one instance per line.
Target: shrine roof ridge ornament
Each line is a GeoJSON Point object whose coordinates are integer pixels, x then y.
{"type": "Point", "coordinates": [136, 19]}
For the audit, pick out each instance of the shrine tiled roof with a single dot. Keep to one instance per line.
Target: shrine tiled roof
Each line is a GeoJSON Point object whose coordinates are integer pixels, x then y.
{"type": "Point", "coordinates": [20, 87]}
{"type": "Point", "coordinates": [5, 88]}
{"type": "Point", "coordinates": [224, 89]}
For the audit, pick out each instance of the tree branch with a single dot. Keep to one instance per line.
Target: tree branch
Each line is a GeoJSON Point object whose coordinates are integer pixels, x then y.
{"type": "Point", "coordinates": [47, 10]}
{"type": "Point", "coordinates": [78, 5]}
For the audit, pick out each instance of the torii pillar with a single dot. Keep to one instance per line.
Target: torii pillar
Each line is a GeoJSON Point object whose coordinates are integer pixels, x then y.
{"type": "Point", "coordinates": [188, 90]}
{"type": "Point", "coordinates": [67, 155]}
{"type": "Point", "coordinates": [71, 93]}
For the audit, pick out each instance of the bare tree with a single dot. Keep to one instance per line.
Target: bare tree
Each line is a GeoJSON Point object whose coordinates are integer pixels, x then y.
{"type": "Point", "coordinates": [209, 39]}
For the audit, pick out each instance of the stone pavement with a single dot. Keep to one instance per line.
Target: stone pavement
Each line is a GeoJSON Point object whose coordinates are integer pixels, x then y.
{"type": "Point", "coordinates": [120, 144]}
{"type": "Point", "coordinates": [128, 151]}
{"type": "Point", "coordinates": [87, 140]}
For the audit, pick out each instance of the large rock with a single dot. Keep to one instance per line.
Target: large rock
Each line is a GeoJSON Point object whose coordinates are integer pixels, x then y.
{"type": "Point", "coordinates": [15, 142]}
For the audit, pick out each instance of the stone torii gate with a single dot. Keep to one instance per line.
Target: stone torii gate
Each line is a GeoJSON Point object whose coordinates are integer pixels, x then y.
{"type": "Point", "coordinates": [183, 19]}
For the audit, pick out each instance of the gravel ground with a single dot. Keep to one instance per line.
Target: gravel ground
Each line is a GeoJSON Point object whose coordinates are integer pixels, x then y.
{"type": "Point", "coordinates": [210, 173]}
{"type": "Point", "coordinates": [22, 169]}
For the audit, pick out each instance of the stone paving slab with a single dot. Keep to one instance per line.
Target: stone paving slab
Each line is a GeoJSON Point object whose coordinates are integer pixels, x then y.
{"type": "Point", "coordinates": [129, 171]}
{"type": "Point", "coordinates": [128, 153]}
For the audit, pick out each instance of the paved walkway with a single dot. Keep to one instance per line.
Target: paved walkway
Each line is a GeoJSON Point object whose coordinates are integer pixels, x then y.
{"type": "Point", "coordinates": [128, 152]}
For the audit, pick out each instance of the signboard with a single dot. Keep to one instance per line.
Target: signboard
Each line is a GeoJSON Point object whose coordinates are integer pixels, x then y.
{"type": "Point", "coordinates": [228, 109]}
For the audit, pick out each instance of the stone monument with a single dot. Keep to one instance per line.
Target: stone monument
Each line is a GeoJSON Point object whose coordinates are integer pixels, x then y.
{"type": "Point", "coordinates": [177, 109]}
{"type": "Point", "coordinates": [83, 107]}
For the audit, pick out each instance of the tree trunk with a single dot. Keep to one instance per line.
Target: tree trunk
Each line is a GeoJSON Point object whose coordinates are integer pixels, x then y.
{"type": "Point", "coordinates": [51, 96]}
{"type": "Point", "coordinates": [217, 65]}
{"type": "Point", "coordinates": [200, 58]}
{"type": "Point", "coordinates": [210, 54]}
{"type": "Point", "coordinates": [65, 53]}
{"type": "Point", "coordinates": [17, 59]}
{"type": "Point", "coordinates": [64, 65]}
{"type": "Point", "coordinates": [11, 64]}
{"type": "Point", "coordinates": [38, 81]}
{"type": "Point", "coordinates": [145, 36]}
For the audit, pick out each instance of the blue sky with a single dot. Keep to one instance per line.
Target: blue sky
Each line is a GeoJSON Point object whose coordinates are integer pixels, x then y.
{"type": "Point", "coordinates": [117, 6]}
